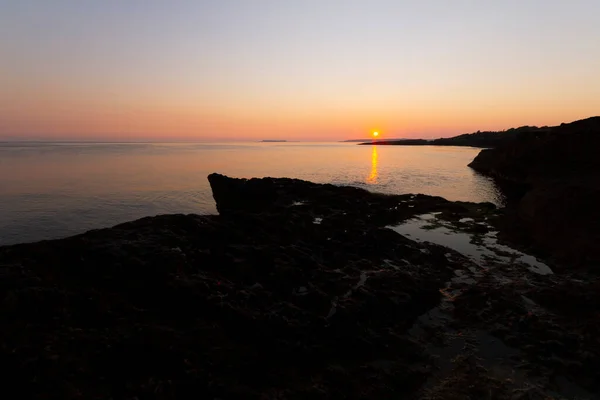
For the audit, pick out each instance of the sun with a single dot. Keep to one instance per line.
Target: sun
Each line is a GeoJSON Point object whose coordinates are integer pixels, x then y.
{"type": "Point", "coordinates": [375, 134]}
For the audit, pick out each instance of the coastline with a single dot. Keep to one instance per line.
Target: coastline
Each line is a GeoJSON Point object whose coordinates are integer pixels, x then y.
{"type": "Point", "coordinates": [290, 282]}
{"type": "Point", "coordinates": [308, 290]}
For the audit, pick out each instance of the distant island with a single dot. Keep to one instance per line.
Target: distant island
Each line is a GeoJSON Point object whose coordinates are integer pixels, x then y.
{"type": "Point", "coordinates": [483, 139]}
{"type": "Point", "coordinates": [273, 141]}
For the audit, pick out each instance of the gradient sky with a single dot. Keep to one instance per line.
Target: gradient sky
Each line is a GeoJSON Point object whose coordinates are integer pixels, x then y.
{"type": "Point", "coordinates": [293, 69]}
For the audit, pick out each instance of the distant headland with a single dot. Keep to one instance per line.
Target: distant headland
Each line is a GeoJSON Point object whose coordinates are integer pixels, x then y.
{"type": "Point", "coordinates": [372, 140]}
{"type": "Point", "coordinates": [483, 139]}
{"type": "Point", "coordinates": [273, 141]}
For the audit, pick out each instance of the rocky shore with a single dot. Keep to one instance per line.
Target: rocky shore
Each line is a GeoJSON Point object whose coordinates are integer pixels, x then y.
{"type": "Point", "coordinates": [295, 291]}
{"type": "Point", "coordinates": [558, 170]}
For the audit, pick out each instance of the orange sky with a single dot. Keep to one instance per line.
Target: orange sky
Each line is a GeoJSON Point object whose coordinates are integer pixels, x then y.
{"type": "Point", "coordinates": [196, 70]}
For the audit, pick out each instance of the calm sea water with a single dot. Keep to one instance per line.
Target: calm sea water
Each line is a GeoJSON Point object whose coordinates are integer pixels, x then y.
{"type": "Point", "coordinates": [51, 190]}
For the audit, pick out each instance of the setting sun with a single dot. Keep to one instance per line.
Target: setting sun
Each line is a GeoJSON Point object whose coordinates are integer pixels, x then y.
{"type": "Point", "coordinates": [375, 134]}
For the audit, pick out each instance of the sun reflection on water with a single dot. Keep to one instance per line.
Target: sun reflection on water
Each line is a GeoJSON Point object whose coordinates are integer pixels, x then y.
{"type": "Point", "coordinates": [372, 179]}
{"type": "Point", "coordinates": [56, 190]}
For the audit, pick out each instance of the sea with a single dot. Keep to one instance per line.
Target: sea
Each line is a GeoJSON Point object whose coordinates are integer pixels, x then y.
{"type": "Point", "coordinates": [54, 190]}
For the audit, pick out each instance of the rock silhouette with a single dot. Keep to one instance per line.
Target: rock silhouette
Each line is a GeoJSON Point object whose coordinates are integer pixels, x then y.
{"type": "Point", "coordinates": [296, 290]}
{"type": "Point", "coordinates": [559, 171]}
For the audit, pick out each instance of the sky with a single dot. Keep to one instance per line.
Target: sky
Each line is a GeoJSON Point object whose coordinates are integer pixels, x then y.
{"type": "Point", "coordinates": [293, 69]}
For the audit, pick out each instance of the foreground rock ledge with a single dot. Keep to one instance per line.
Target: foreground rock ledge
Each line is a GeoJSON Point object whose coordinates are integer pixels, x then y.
{"type": "Point", "coordinates": [295, 291]}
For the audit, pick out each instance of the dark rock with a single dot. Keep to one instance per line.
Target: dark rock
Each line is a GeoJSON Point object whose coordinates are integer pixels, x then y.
{"type": "Point", "coordinates": [257, 301]}
{"type": "Point", "coordinates": [559, 335]}
{"type": "Point", "coordinates": [559, 172]}
{"type": "Point", "coordinates": [296, 291]}
{"type": "Point", "coordinates": [252, 195]}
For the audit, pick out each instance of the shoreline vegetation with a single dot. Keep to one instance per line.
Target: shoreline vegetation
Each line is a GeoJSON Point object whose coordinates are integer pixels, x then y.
{"type": "Point", "coordinates": [301, 290]}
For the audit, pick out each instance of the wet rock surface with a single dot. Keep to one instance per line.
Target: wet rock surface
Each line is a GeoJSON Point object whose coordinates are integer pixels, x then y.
{"type": "Point", "coordinates": [295, 291]}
